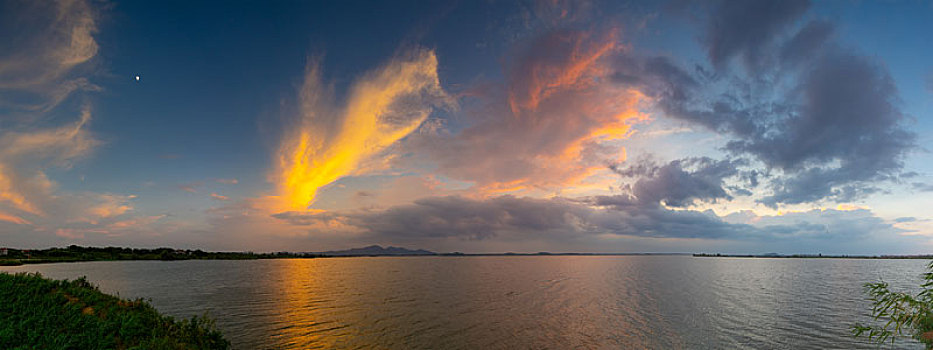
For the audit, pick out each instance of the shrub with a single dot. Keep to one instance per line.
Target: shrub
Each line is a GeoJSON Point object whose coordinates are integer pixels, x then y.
{"type": "Point", "coordinates": [47, 314]}
{"type": "Point", "coordinates": [897, 313]}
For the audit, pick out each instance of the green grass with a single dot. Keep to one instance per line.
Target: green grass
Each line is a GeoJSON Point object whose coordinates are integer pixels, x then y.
{"type": "Point", "coordinates": [39, 313]}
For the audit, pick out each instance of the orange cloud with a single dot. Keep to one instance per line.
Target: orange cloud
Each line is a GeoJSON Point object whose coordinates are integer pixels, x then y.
{"type": "Point", "coordinates": [108, 206]}
{"type": "Point", "coordinates": [23, 185]}
{"type": "Point", "coordinates": [14, 219]}
{"type": "Point", "coordinates": [557, 124]}
{"type": "Point", "coordinates": [78, 233]}
{"type": "Point", "coordinates": [11, 196]}
{"type": "Point", "coordinates": [331, 142]}
{"type": "Point", "coordinates": [135, 222]}
{"type": "Point", "coordinates": [219, 197]}
{"type": "Point", "coordinates": [536, 79]}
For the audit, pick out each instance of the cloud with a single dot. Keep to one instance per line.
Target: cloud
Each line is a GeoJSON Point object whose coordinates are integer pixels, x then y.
{"type": "Point", "coordinates": [745, 29]}
{"type": "Point", "coordinates": [812, 38]}
{"type": "Point", "coordinates": [13, 218]}
{"type": "Point", "coordinates": [680, 183]}
{"type": "Point", "coordinates": [54, 39]}
{"type": "Point", "coordinates": [57, 146]}
{"type": "Point", "coordinates": [219, 197]}
{"type": "Point", "coordinates": [549, 125]}
{"type": "Point", "coordinates": [653, 207]}
{"type": "Point", "coordinates": [824, 123]}
{"type": "Point", "coordinates": [36, 72]}
{"type": "Point", "coordinates": [227, 181]}
{"type": "Point", "coordinates": [191, 187]}
{"type": "Point", "coordinates": [50, 60]}
{"type": "Point", "coordinates": [23, 185]}
{"type": "Point", "coordinates": [111, 229]}
{"type": "Point", "coordinates": [329, 141]}
{"type": "Point", "coordinates": [559, 219]}
{"type": "Point", "coordinates": [107, 206]}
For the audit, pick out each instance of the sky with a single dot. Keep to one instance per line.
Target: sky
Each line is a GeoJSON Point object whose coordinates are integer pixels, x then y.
{"type": "Point", "coordinates": [759, 126]}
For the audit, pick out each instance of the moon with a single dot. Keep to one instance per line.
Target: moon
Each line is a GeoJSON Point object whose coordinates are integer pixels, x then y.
{"type": "Point", "coordinates": [137, 78]}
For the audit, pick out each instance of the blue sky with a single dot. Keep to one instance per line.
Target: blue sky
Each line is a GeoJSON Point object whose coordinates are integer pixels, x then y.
{"type": "Point", "coordinates": [742, 127]}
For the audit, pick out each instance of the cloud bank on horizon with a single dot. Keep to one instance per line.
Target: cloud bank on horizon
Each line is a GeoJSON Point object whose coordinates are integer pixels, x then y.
{"type": "Point", "coordinates": [726, 126]}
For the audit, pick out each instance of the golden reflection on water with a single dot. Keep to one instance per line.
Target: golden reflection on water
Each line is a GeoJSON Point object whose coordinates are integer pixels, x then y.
{"type": "Point", "coordinates": [305, 320]}
{"type": "Point", "coordinates": [365, 301]}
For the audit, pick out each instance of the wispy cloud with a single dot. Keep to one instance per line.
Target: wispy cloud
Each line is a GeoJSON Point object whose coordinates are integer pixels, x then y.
{"type": "Point", "coordinates": [57, 37]}
{"type": "Point", "coordinates": [191, 187]}
{"type": "Point", "coordinates": [24, 155]}
{"type": "Point", "coordinates": [219, 197]}
{"type": "Point", "coordinates": [329, 140]}
{"type": "Point", "coordinates": [50, 61]}
{"type": "Point", "coordinates": [14, 219]}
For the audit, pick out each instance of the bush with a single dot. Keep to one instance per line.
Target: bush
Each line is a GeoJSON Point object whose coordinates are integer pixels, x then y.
{"type": "Point", "coordinates": [898, 314]}
{"type": "Point", "coordinates": [47, 314]}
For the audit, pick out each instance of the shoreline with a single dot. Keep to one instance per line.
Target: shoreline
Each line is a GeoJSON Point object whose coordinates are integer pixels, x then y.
{"type": "Point", "coordinates": [71, 254]}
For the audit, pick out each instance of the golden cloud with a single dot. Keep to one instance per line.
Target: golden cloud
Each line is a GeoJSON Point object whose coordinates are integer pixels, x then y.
{"type": "Point", "coordinates": [331, 142]}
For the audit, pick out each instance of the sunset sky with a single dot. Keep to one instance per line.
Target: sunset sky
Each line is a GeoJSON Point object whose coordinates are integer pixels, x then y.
{"type": "Point", "coordinates": [736, 127]}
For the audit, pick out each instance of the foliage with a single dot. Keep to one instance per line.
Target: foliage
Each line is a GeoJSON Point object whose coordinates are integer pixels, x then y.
{"type": "Point", "coordinates": [78, 253]}
{"type": "Point", "coordinates": [900, 313]}
{"type": "Point", "coordinates": [39, 313]}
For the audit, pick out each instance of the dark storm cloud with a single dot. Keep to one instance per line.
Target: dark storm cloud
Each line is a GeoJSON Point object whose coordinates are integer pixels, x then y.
{"type": "Point", "coordinates": [680, 183]}
{"type": "Point", "coordinates": [844, 111]}
{"type": "Point", "coordinates": [454, 216]}
{"type": "Point", "coordinates": [556, 218]}
{"type": "Point", "coordinates": [832, 133]}
{"type": "Point", "coordinates": [747, 28]}
{"type": "Point", "coordinates": [561, 219]}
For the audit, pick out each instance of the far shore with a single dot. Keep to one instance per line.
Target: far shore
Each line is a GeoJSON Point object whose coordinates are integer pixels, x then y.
{"type": "Point", "coordinates": [16, 257]}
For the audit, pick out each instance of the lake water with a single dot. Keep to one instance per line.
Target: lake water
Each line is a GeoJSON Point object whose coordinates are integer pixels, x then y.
{"type": "Point", "coordinates": [632, 302]}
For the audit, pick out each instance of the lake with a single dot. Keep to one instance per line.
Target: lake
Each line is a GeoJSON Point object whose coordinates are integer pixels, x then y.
{"type": "Point", "coordinates": [511, 302]}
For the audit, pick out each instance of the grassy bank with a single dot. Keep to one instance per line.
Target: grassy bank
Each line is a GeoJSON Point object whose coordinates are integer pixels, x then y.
{"type": "Point", "coordinates": [38, 313]}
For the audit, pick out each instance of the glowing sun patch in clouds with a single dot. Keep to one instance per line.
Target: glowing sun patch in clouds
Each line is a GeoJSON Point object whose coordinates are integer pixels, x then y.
{"type": "Point", "coordinates": [329, 141]}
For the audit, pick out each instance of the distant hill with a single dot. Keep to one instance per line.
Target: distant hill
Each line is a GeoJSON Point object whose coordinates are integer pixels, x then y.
{"type": "Point", "coordinates": [375, 250]}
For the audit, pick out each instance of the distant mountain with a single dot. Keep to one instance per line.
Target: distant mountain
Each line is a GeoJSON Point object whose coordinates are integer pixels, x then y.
{"type": "Point", "coordinates": [375, 250]}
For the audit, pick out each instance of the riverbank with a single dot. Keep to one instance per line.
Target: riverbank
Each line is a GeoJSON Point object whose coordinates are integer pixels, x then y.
{"type": "Point", "coordinates": [40, 313]}
{"type": "Point", "coordinates": [74, 253]}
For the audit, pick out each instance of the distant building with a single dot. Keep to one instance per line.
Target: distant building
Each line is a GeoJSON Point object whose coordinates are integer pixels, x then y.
{"type": "Point", "coordinates": [3, 251]}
